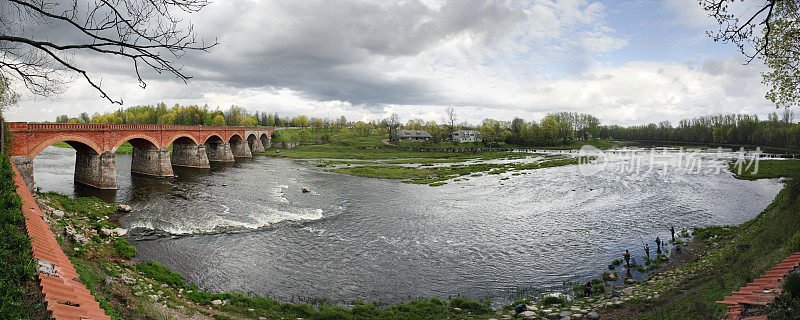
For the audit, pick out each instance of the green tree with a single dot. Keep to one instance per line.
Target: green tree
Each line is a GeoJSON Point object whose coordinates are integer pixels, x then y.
{"type": "Point", "coordinates": [249, 122]}
{"type": "Point", "coordinates": [218, 121]}
{"type": "Point", "coordinates": [770, 32]}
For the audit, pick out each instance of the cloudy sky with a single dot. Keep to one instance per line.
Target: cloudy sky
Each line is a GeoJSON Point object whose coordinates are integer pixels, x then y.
{"type": "Point", "coordinates": [626, 62]}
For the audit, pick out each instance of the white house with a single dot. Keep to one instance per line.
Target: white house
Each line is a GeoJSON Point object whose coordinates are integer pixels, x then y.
{"type": "Point", "coordinates": [467, 136]}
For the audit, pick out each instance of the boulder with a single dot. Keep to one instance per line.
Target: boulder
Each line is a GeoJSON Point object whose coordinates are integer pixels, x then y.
{"type": "Point", "coordinates": [593, 315]}
{"type": "Point", "coordinates": [565, 313]}
{"type": "Point", "coordinates": [216, 302]}
{"type": "Point", "coordinates": [46, 267]}
{"type": "Point", "coordinates": [527, 314]}
{"type": "Point", "coordinates": [305, 190]}
{"type": "Point", "coordinates": [553, 316]}
{"type": "Point", "coordinates": [124, 208]}
{"type": "Point", "coordinates": [58, 213]}
{"type": "Point", "coordinates": [79, 238]}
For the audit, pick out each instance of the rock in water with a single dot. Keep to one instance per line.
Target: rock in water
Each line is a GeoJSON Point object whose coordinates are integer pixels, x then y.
{"type": "Point", "coordinates": [124, 208]}
{"type": "Point", "coordinates": [305, 190]}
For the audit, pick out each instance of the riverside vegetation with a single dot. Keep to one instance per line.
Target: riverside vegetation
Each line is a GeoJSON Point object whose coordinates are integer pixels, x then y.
{"type": "Point", "coordinates": [427, 163]}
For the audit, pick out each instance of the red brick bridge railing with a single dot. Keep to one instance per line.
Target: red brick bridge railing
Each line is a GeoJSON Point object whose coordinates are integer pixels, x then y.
{"type": "Point", "coordinates": [95, 165]}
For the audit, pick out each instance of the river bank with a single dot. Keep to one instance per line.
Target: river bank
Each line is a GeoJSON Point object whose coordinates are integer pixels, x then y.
{"type": "Point", "coordinates": [584, 305]}
{"type": "Point", "coordinates": [148, 290]}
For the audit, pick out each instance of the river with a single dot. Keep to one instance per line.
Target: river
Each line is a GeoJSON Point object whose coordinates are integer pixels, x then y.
{"type": "Point", "coordinates": [247, 227]}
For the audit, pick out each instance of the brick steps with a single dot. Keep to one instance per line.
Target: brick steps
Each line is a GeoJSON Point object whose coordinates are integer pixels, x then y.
{"type": "Point", "coordinates": [761, 291]}
{"type": "Point", "coordinates": [66, 298]}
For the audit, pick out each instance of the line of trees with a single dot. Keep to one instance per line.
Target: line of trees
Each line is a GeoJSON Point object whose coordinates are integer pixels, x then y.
{"type": "Point", "coordinates": [192, 116]}
{"type": "Point", "coordinates": [778, 130]}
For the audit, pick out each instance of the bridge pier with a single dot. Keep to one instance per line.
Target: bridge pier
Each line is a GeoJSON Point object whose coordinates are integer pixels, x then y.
{"type": "Point", "coordinates": [25, 167]}
{"type": "Point", "coordinates": [151, 161]}
{"type": "Point", "coordinates": [240, 149]}
{"type": "Point", "coordinates": [189, 155]}
{"type": "Point", "coordinates": [219, 151]}
{"type": "Point", "coordinates": [99, 171]}
{"type": "Point", "coordinates": [266, 140]}
{"type": "Point", "coordinates": [256, 145]}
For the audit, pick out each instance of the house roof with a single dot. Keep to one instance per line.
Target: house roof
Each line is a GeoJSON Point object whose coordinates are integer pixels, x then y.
{"type": "Point", "coordinates": [459, 132]}
{"type": "Point", "coordinates": [413, 134]}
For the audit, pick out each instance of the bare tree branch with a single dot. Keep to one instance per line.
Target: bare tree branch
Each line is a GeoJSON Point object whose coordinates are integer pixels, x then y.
{"type": "Point", "coordinates": [145, 32]}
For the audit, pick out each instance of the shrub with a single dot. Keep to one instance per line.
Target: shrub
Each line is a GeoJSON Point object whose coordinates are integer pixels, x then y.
{"type": "Point", "coordinates": [124, 249]}
{"type": "Point", "coordinates": [791, 285]}
{"type": "Point", "coordinates": [160, 273]}
{"type": "Point", "coordinates": [552, 300]}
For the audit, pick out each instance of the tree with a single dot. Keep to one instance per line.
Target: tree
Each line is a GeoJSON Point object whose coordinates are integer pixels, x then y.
{"type": "Point", "coordinates": [218, 121]}
{"type": "Point", "coordinates": [394, 122]}
{"type": "Point", "coordinates": [7, 98]}
{"type": "Point", "coordinates": [770, 32]}
{"type": "Point", "coordinates": [146, 33]}
{"type": "Point", "coordinates": [450, 118]}
{"type": "Point", "coordinates": [249, 122]}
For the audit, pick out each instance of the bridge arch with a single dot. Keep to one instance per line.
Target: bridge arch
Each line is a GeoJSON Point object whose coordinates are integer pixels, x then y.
{"type": "Point", "coordinates": [211, 135]}
{"type": "Point", "coordinates": [182, 138]}
{"type": "Point", "coordinates": [89, 143]}
{"type": "Point", "coordinates": [237, 137]}
{"type": "Point", "coordinates": [135, 136]}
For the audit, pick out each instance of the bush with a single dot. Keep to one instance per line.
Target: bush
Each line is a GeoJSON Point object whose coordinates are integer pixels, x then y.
{"type": "Point", "coordinates": [791, 285]}
{"type": "Point", "coordinates": [160, 273]}
{"type": "Point", "coordinates": [124, 249]}
{"type": "Point", "coordinates": [552, 300]}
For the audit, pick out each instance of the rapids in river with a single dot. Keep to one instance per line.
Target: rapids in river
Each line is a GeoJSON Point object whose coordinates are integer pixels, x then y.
{"type": "Point", "coordinates": [247, 227]}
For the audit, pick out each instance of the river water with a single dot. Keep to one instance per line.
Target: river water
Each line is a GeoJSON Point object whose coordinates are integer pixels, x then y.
{"type": "Point", "coordinates": [247, 227]}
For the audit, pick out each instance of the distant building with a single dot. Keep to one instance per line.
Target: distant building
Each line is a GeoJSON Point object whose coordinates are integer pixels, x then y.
{"type": "Point", "coordinates": [467, 136]}
{"type": "Point", "coordinates": [411, 135]}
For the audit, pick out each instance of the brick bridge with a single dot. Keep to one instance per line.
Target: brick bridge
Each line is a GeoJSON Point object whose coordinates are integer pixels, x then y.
{"type": "Point", "coordinates": [95, 163]}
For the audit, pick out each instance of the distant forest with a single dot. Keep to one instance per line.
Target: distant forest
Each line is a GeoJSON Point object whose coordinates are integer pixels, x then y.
{"type": "Point", "coordinates": [777, 130]}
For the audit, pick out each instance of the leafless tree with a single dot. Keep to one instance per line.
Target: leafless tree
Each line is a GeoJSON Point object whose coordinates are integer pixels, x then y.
{"type": "Point", "coordinates": [39, 39]}
{"type": "Point", "coordinates": [450, 117]}
{"type": "Point", "coordinates": [742, 30]}
{"type": "Point", "coordinates": [394, 122]}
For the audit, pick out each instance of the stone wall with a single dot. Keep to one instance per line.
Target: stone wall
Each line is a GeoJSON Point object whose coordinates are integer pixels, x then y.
{"type": "Point", "coordinates": [99, 171]}
{"type": "Point", "coordinates": [25, 167]}
{"type": "Point", "coordinates": [239, 148]}
{"type": "Point", "coordinates": [189, 155]}
{"type": "Point", "coordinates": [219, 151]}
{"type": "Point", "coordinates": [151, 161]}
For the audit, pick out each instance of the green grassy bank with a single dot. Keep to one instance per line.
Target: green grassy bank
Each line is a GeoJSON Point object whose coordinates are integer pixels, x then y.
{"type": "Point", "coordinates": [20, 296]}
{"type": "Point", "coordinates": [730, 257]}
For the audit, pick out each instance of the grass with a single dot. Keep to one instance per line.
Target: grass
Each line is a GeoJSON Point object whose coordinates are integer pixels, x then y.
{"type": "Point", "coordinates": [434, 176]}
{"type": "Point", "coordinates": [734, 256]}
{"type": "Point", "coordinates": [384, 172]}
{"type": "Point", "coordinates": [20, 297]}
{"type": "Point", "coordinates": [766, 169]}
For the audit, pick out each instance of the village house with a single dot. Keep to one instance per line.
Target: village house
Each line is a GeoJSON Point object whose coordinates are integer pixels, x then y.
{"type": "Point", "coordinates": [411, 135]}
{"type": "Point", "coordinates": [462, 136]}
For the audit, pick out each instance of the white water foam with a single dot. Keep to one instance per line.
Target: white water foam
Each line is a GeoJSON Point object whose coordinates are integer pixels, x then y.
{"type": "Point", "coordinates": [264, 218]}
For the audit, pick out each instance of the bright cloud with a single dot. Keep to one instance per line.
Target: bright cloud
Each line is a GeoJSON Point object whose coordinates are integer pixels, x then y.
{"type": "Point", "coordinates": [498, 59]}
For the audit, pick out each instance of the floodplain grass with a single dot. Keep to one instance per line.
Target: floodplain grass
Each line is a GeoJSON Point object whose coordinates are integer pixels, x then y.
{"type": "Point", "coordinates": [765, 169]}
